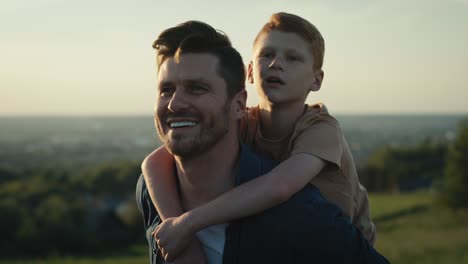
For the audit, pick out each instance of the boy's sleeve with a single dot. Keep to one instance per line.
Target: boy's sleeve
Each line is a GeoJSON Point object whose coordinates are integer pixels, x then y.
{"type": "Point", "coordinates": [319, 136]}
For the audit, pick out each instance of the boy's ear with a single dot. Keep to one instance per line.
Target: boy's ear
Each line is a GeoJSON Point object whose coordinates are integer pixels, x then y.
{"type": "Point", "coordinates": [317, 80]}
{"type": "Point", "coordinates": [238, 104]}
{"type": "Point", "coordinates": [250, 73]}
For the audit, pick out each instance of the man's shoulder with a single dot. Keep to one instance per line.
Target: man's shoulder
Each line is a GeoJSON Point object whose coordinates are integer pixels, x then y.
{"type": "Point", "coordinates": [310, 208]}
{"type": "Point", "coordinates": [141, 191]}
{"type": "Point", "coordinates": [252, 165]}
{"type": "Point", "coordinates": [141, 184]}
{"type": "Point", "coordinates": [142, 196]}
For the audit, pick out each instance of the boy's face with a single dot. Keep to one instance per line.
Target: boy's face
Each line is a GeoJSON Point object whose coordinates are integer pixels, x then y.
{"type": "Point", "coordinates": [283, 68]}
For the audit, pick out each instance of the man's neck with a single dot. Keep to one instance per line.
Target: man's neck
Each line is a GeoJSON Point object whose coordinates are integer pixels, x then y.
{"type": "Point", "coordinates": [278, 121]}
{"type": "Point", "coordinates": [208, 175]}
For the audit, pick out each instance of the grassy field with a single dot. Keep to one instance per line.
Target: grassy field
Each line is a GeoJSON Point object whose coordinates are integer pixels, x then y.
{"type": "Point", "coordinates": [83, 260]}
{"type": "Point", "coordinates": [136, 254]}
{"type": "Point", "coordinates": [411, 228]}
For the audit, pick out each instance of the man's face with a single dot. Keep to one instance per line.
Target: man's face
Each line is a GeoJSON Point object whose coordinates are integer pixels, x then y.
{"type": "Point", "coordinates": [283, 68]}
{"type": "Point", "coordinates": [192, 110]}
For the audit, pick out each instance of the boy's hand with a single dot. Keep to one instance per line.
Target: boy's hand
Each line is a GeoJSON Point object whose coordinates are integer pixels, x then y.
{"type": "Point", "coordinates": [172, 237]}
{"type": "Point", "coordinates": [192, 255]}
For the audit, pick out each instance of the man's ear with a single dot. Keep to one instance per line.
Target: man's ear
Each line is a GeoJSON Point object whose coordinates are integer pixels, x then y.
{"type": "Point", "coordinates": [238, 104]}
{"type": "Point", "coordinates": [317, 80]}
{"type": "Point", "coordinates": [250, 73]}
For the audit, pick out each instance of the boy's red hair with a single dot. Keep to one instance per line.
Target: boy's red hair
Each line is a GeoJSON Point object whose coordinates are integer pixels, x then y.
{"type": "Point", "coordinates": [286, 22]}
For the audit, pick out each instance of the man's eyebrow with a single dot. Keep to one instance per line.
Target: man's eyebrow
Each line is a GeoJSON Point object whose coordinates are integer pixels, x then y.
{"type": "Point", "coordinates": [196, 81]}
{"type": "Point", "coordinates": [164, 83]}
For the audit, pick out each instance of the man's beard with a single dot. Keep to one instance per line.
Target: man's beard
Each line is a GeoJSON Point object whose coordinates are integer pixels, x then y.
{"type": "Point", "coordinates": [209, 134]}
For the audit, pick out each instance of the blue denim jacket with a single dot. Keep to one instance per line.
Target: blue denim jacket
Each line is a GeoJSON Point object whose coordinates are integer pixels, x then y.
{"type": "Point", "coordinates": [305, 229]}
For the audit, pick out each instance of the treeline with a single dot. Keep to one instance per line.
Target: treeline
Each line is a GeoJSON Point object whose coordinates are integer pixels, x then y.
{"type": "Point", "coordinates": [405, 168]}
{"type": "Point", "coordinates": [61, 211]}
{"type": "Point", "coordinates": [441, 165]}
{"type": "Point", "coordinates": [90, 208]}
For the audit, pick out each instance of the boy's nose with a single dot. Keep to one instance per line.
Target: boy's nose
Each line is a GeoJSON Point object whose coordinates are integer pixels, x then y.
{"type": "Point", "coordinates": [276, 64]}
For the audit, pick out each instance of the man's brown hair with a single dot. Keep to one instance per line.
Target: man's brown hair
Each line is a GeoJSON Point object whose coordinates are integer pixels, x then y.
{"type": "Point", "coordinates": [198, 37]}
{"type": "Point", "coordinates": [290, 23]}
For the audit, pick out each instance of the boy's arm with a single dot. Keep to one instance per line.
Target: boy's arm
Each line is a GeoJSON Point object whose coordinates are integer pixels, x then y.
{"type": "Point", "coordinates": [259, 194]}
{"type": "Point", "coordinates": [158, 171]}
{"type": "Point", "coordinates": [249, 198]}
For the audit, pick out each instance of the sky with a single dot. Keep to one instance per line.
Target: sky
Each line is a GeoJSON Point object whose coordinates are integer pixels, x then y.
{"type": "Point", "coordinates": [93, 57]}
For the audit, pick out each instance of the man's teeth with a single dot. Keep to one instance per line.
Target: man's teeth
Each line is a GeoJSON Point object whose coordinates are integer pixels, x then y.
{"type": "Point", "coordinates": [182, 124]}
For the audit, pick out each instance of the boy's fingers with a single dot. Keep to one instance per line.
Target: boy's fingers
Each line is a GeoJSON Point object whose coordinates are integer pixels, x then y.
{"type": "Point", "coordinates": [163, 253]}
{"type": "Point", "coordinates": [169, 257]}
{"type": "Point", "coordinates": [166, 255]}
{"type": "Point", "coordinates": [160, 243]}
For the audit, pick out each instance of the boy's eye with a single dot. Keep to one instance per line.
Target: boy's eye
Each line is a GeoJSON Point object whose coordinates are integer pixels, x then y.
{"type": "Point", "coordinates": [292, 58]}
{"type": "Point", "coordinates": [267, 55]}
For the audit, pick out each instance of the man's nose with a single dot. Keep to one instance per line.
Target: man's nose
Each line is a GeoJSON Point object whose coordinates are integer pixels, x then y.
{"type": "Point", "coordinates": [276, 63]}
{"type": "Point", "coordinates": [178, 101]}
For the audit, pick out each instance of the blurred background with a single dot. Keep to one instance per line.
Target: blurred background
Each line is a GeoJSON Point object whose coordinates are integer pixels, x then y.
{"type": "Point", "coordinates": [77, 87]}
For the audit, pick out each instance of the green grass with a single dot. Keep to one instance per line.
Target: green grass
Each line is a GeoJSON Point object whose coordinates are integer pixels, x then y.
{"type": "Point", "coordinates": [136, 254]}
{"type": "Point", "coordinates": [84, 260]}
{"type": "Point", "coordinates": [411, 228]}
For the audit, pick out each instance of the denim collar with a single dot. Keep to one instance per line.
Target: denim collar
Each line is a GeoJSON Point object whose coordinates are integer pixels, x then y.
{"type": "Point", "coordinates": [248, 166]}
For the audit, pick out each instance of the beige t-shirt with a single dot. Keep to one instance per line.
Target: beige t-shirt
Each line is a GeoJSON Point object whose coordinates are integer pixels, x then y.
{"type": "Point", "coordinates": [317, 133]}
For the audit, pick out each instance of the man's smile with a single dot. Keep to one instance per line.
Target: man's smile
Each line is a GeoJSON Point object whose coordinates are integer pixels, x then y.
{"type": "Point", "coordinates": [180, 124]}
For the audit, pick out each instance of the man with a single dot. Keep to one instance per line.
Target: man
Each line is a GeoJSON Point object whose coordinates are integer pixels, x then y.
{"type": "Point", "coordinates": [201, 98]}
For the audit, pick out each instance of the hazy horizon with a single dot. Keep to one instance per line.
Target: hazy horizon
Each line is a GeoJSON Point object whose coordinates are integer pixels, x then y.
{"type": "Point", "coordinates": [92, 58]}
{"type": "Point", "coordinates": [130, 115]}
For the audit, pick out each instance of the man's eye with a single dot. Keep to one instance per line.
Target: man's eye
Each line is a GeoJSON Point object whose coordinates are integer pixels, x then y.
{"type": "Point", "coordinates": [165, 91]}
{"type": "Point", "coordinates": [197, 88]}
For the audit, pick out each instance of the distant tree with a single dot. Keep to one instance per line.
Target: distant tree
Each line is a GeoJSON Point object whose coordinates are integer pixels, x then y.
{"type": "Point", "coordinates": [7, 175]}
{"type": "Point", "coordinates": [64, 210]}
{"type": "Point", "coordinates": [128, 213]}
{"type": "Point", "coordinates": [455, 192]}
{"type": "Point", "coordinates": [61, 221]}
{"type": "Point", "coordinates": [10, 220]}
{"type": "Point", "coordinates": [404, 168]}
{"type": "Point", "coordinates": [115, 179]}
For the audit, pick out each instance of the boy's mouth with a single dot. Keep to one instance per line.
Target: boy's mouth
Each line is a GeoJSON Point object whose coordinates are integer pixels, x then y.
{"type": "Point", "coordinates": [274, 80]}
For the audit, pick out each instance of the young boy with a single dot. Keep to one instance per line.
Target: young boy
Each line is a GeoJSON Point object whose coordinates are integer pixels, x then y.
{"type": "Point", "coordinates": [287, 65]}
